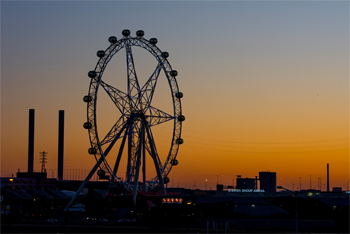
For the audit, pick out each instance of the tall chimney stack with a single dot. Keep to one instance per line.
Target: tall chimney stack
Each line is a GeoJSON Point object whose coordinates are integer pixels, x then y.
{"type": "Point", "coordinates": [60, 144]}
{"type": "Point", "coordinates": [31, 140]}
{"type": "Point", "coordinates": [327, 177]}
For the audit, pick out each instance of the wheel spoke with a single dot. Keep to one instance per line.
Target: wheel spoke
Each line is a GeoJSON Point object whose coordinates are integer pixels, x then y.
{"type": "Point", "coordinates": [114, 130]}
{"type": "Point", "coordinates": [119, 98]}
{"type": "Point", "coordinates": [147, 90]}
{"type": "Point", "coordinates": [157, 116]}
{"type": "Point", "coordinates": [133, 83]}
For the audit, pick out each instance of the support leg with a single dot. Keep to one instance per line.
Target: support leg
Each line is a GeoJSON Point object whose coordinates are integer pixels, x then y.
{"type": "Point", "coordinates": [128, 169]}
{"type": "Point", "coordinates": [138, 162]}
{"type": "Point", "coordinates": [116, 166]}
{"type": "Point", "coordinates": [144, 163]}
{"type": "Point", "coordinates": [92, 172]}
{"type": "Point", "coordinates": [102, 158]}
{"type": "Point", "coordinates": [154, 156]}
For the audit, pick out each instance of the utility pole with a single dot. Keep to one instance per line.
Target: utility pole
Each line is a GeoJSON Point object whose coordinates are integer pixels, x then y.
{"type": "Point", "coordinates": [310, 182]}
{"type": "Point", "coordinates": [43, 160]}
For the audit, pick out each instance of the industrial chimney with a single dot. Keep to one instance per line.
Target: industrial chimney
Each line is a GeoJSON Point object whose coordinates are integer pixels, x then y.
{"type": "Point", "coordinates": [60, 144]}
{"type": "Point", "coordinates": [31, 140]}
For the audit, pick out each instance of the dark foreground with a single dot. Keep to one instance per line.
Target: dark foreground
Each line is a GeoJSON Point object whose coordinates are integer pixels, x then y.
{"type": "Point", "coordinates": [100, 228]}
{"type": "Point", "coordinates": [42, 211]}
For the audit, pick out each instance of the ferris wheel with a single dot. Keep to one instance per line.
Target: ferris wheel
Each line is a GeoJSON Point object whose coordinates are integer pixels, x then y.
{"type": "Point", "coordinates": [132, 133]}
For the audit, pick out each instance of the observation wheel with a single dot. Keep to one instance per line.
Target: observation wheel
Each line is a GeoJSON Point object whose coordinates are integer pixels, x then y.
{"type": "Point", "coordinates": [131, 135]}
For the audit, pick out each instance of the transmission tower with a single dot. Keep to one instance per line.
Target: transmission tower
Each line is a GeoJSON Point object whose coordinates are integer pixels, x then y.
{"type": "Point", "coordinates": [43, 160]}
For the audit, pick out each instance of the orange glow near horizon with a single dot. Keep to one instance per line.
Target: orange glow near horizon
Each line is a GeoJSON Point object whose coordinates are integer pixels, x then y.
{"type": "Point", "coordinates": [260, 94]}
{"type": "Point", "coordinates": [293, 153]}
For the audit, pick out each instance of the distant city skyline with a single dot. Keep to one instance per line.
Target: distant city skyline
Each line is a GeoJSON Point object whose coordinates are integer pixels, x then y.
{"type": "Point", "coordinates": [265, 84]}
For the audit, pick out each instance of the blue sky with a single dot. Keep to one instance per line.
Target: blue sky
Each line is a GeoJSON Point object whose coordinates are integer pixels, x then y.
{"type": "Point", "coordinates": [250, 71]}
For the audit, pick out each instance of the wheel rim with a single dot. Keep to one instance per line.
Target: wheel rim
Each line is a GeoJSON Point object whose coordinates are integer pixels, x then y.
{"type": "Point", "coordinates": [138, 116]}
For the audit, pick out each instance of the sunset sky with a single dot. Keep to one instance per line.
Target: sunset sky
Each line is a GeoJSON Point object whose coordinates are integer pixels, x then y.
{"type": "Point", "coordinates": [265, 83]}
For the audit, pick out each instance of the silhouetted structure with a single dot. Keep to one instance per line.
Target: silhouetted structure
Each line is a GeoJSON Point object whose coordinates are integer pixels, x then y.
{"type": "Point", "coordinates": [268, 181]}
{"type": "Point", "coordinates": [60, 145]}
{"type": "Point", "coordinates": [43, 161]}
{"type": "Point", "coordinates": [31, 140]}
{"type": "Point", "coordinates": [327, 177]}
{"type": "Point", "coordinates": [35, 179]}
{"type": "Point", "coordinates": [220, 187]}
{"type": "Point", "coordinates": [245, 183]}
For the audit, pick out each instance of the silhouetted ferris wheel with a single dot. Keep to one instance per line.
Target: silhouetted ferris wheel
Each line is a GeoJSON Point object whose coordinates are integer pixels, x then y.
{"type": "Point", "coordinates": [137, 116]}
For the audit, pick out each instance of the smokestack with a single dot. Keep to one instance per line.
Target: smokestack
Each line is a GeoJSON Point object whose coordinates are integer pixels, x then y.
{"type": "Point", "coordinates": [60, 144]}
{"type": "Point", "coordinates": [327, 177]}
{"type": "Point", "coordinates": [31, 140]}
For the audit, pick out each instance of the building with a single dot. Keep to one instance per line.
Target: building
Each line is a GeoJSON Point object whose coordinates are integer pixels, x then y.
{"type": "Point", "coordinates": [246, 183]}
{"type": "Point", "coordinates": [268, 181]}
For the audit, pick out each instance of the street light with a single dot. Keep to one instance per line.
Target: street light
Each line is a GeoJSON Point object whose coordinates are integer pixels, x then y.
{"type": "Point", "coordinates": [11, 184]}
{"type": "Point", "coordinates": [296, 206]}
{"type": "Point", "coordinates": [206, 184]}
{"type": "Point", "coordinates": [11, 210]}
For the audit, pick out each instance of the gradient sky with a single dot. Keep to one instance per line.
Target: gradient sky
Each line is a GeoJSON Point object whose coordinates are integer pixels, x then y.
{"type": "Point", "coordinates": [265, 83]}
